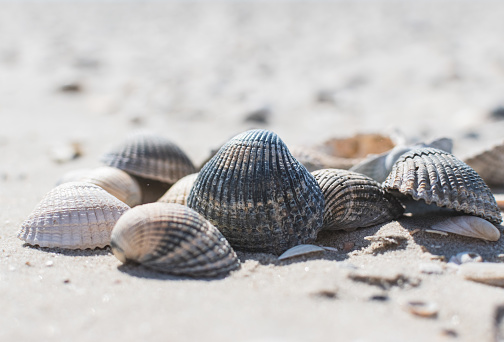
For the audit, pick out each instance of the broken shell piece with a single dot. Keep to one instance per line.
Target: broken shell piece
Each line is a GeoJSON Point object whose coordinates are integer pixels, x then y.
{"type": "Point", "coordinates": [499, 198]}
{"type": "Point", "coordinates": [174, 239]}
{"type": "Point", "coordinates": [483, 272]}
{"type": "Point", "coordinates": [74, 215]}
{"type": "Point", "coordinates": [489, 164]}
{"type": "Point", "coordinates": [179, 191]}
{"type": "Point", "coordinates": [436, 176]}
{"type": "Point", "coordinates": [466, 257]}
{"type": "Point", "coordinates": [358, 146]}
{"type": "Point", "coordinates": [471, 226]}
{"type": "Point", "coordinates": [300, 250]}
{"type": "Point", "coordinates": [422, 309]}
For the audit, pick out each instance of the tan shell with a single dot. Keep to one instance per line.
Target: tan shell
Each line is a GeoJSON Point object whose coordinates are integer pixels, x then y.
{"type": "Point", "coordinates": [174, 239]}
{"type": "Point", "coordinates": [116, 182]}
{"type": "Point", "coordinates": [489, 164]}
{"type": "Point", "coordinates": [358, 146]}
{"type": "Point", "coordinates": [483, 272]}
{"type": "Point", "coordinates": [74, 215]}
{"type": "Point", "coordinates": [150, 156]}
{"type": "Point", "coordinates": [471, 226]}
{"type": "Point", "coordinates": [179, 191]}
{"type": "Point", "coordinates": [438, 177]}
{"type": "Point", "coordinates": [314, 159]}
{"type": "Point", "coordinates": [354, 201]}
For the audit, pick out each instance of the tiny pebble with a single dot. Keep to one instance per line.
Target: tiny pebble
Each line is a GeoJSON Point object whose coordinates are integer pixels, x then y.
{"type": "Point", "coordinates": [348, 246]}
{"type": "Point", "coordinates": [49, 263]}
{"type": "Point", "coordinates": [28, 263]}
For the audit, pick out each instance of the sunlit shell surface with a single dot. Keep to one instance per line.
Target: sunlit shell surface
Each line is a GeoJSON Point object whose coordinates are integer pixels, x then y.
{"type": "Point", "coordinates": [116, 182]}
{"type": "Point", "coordinates": [358, 146]}
{"type": "Point", "coordinates": [74, 215]}
{"type": "Point", "coordinates": [179, 192]}
{"type": "Point", "coordinates": [439, 177]}
{"type": "Point", "coordinates": [489, 164]}
{"type": "Point", "coordinates": [353, 200]}
{"type": "Point", "coordinates": [314, 159]}
{"type": "Point", "coordinates": [379, 166]}
{"type": "Point", "coordinates": [174, 239]}
{"type": "Point", "coordinates": [471, 226]}
{"type": "Point", "coordinates": [258, 195]}
{"type": "Point", "coordinates": [150, 156]}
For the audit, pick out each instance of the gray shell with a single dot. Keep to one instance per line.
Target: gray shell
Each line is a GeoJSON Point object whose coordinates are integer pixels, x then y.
{"type": "Point", "coordinates": [150, 156]}
{"type": "Point", "coordinates": [353, 200]}
{"type": "Point", "coordinates": [74, 215]}
{"type": "Point", "coordinates": [439, 177]}
{"type": "Point", "coordinates": [489, 164]}
{"type": "Point", "coordinates": [258, 195]}
{"type": "Point", "coordinates": [174, 239]}
{"type": "Point", "coordinates": [379, 166]}
{"type": "Point", "coordinates": [179, 192]}
{"type": "Point", "coordinates": [116, 182]}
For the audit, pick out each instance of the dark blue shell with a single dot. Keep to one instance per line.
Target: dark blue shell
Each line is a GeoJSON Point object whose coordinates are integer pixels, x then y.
{"type": "Point", "coordinates": [258, 195]}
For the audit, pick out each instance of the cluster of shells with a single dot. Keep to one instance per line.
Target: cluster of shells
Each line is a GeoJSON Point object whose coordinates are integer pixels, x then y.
{"type": "Point", "coordinates": [153, 207]}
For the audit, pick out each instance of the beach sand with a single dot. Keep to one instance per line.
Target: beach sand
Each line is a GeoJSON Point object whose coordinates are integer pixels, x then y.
{"type": "Point", "coordinates": [82, 76]}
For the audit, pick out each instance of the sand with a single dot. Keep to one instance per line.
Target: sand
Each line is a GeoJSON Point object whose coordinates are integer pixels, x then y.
{"type": "Point", "coordinates": [88, 74]}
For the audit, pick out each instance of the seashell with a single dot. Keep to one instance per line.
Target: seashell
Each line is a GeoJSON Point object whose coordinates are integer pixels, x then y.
{"type": "Point", "coordinates": [489, 164]}
{"type": "Point", "coordinates": [358, 146]}
{"type": "Point", "coordinates": [179, 191]}
{"type": "Point", "coordinates": [73, 215]}
{"type": "Point", "coordinates": [471, 226]}
{"type": "Point", "coordinates": [150, 156]}
{"type": "Point", "coordinates": [116, 182]}
{"type": "Point", "coordinates": [499, 198]}
{"type": "Point", "coordinates": [258, 195]}
{"type": "Point", "coordinates": [466, 257]}
{"type": "Point", "coordinates": [174, 239]}
{"type": "Point", "coordinates": [483, 272]}
{"type": "Point", "coordinates": [300, 250]}
{"type": "Point", "coordinates": [438, 177]}
{"type": "Point", "coordinates": [422, 308]}
{"type": "Point", "coordinates": [313, 159]}
{"type": "Point", "coordinates": [353, 200]}
{"type": "Point", "coordinates": [379, 166]}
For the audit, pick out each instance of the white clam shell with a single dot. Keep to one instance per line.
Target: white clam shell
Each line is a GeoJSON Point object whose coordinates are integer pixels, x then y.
{"type": "Point", "coordinates": [300, 250]}
{"type": "Point", "coordinates": [484, 272]}
{"type": "Point", "coordinates": [179, 192]}
{"type": "Point", "coordinates": [471, 226]}
{"type": "Point", "coordinates": [75, 215]}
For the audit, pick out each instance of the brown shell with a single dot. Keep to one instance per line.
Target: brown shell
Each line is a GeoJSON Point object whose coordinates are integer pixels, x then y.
{"type": "Point", "coordinates": [174, 239]}
{"type": "Point", "coordinates": [439, 177]}
{"type": "Point", "coordinates": [314, 159]}
{"type": "Point", "coordinates": [258, 195]}
{"type": "Point", "coordinates": [358, 146]}
{"type": "Point", "coordinates": [150, 156]}
{"type": "Point", "coordinates": [179, 192]}
{"type": "Point", "coordinates": [353, 200]}
{"type": "Point", "coordinates": [489, 164]}
{"type": "Point", "coordinates": [74, 215]}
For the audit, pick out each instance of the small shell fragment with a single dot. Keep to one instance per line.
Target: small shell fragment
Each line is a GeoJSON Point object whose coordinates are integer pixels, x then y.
{"type": "Point", "coordinates": [483, 272]}
{"type": "Point", "coordinates": [465, 257]}
{"type": "Point", "coordinates": [179, 191]}
{"type": "Point", "coordinates": [74, 215]}
{"type": "Point", "coordinates": [174, 239]}
{"type": "Point", "coordinates": [489, 164]}
{"type": "Point", "coordinates": [436, 176]}
{"type": "Point", "coordinates": [422, 308]}
{"type": "Point", "coordinates": [300, 250]}
{"type": "Point", "coordinates": [471, 226]}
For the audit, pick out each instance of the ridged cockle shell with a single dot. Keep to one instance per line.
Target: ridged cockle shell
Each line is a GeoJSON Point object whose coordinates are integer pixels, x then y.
{"type": "Point", "coordinates": [174, 239]}
{"type": "Point", "coordinates": [258, 195]}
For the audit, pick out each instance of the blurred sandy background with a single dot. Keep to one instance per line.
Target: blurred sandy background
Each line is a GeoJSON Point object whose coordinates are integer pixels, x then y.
{"type": "Point", "coordinates": [82, 75]}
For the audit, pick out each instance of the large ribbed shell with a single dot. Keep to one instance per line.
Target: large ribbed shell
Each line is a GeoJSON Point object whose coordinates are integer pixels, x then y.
{"type": "Point", "coordinates": [439, 177]}
{"type": "Point", "coordinates": [353, 200]}
{"type": "Point", "coordinates": [489, 164]}
{"type": "Point", "coordinates": [179, 192]}
{"type": "Point", "coordinates": [116, 182]}
{"type": "Point", "coordinates": [258, 195]}
{"type": "Point", "coordinates": [150, 156]}
{"type": "Point", "coordinates": [174, 239]}
{"type": "Point", "coordinates": [74, 215]}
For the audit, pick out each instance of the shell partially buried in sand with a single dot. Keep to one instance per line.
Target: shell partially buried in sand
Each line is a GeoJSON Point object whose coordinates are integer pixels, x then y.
{"type": "Point", "coordinates": [116, 182]}
{"type": "Point", "coordinates": [174, 239]}
{"type": "Point", "coordinates": [470, 226]}
{"type": "Point", "coordinates": [74, 215]}
{"type": "Point", "coordinates": [179, 192]}
{"type": "Point", "coordinates": [489, 164]}
{"type": "Point", "coordinates": [438, 177]}
{"type": "Point", "coordinates": [258, 195]}
{"type": "Point", "coordinates": [150, 156]}
{"type": "Point", "coordinates": [353, 200]}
